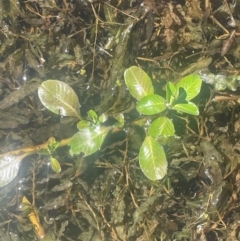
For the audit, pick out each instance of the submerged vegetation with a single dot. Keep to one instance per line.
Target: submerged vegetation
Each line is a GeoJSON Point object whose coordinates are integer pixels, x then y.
{"type": "Point", "coordinates": [119, 120]}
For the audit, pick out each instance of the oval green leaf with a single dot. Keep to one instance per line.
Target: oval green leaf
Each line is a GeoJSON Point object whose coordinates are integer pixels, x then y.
{"type": "Point", "coordinates": [83, 124]}
{"type": "Point", "coordinates": [192, 84]}
{"type": "Point", "coordinates": [138, 82]}
{"type": "Point", "coordinates": [88, 140]}
{"type": "Point", "coordinates": [152, 159]}
{"type": "Point", "coordinates": [103, 117]}
{"type": "Point", "coordinates": [59, 98]}
{"type": "Point", "coordinates": [9, 166]}
{"type": "Point", "coordinates": [93, 116]}
{"type": "Point", "coordinates": [189, 108]}
{"type": "Point", "coordinates": [151, 105]}
{"type": "Point", "coordinates": [162, 126]}
{"type": "Point", "coordinates": [55, 164]}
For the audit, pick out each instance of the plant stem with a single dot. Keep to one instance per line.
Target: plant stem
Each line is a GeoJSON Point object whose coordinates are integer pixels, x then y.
{"type": "Point", "coordinates": [31, 150]}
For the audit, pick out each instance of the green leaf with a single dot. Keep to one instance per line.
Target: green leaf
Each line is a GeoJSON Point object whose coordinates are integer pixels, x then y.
{"type": "Point", "coordinates": [9, 166]}
{"type": "Point", "coordinates": [162, 126]}
{"type": "Point", "coordinates": [138, 82]}
{"type": "Point", "coordinates": [152, 159]}
{"type": "Point", "coordinates": [151, 105]}
{"type": "Point", "coordinates": [189, 108]}
{"type": "Point", "coordinates": [93, 116]}
{"type": "Point", "coordinates": [120, 119]}
{"type": "Point", "coordinates": [44, 151]}
{"type": "Point", "coordinates": [59, 98]}
{"type": "Point", "coordinates": [170, 92]}
{"type": "Point", "coordinates": [181, 97]}
{"type": "Point", "coordinates": [192, 84]}
{"type": "Point", "coordinates": [103, 117]}
{"type": "Point", "coordinates": [25, 205]}
{"type": "Point", "coordinates": [88, 140]}
{"type": "Point", "coordinates": [55, 164]}
{"type": "Point", "coordinates": [83, 124]}
{"type": "Point", "coordinates": [52, 145]}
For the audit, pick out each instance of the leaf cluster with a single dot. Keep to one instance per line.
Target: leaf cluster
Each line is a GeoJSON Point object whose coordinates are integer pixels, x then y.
{"type": "Point", "coordinates": [152, 157]}
{"type": "Point", "coordinates": [60, 98]}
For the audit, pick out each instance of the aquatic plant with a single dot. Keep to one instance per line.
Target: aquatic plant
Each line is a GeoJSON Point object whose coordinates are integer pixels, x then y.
{"type": "Point", "coordinates": [152, 157]}
{"type": "Point", "coordinates": [60, 98]}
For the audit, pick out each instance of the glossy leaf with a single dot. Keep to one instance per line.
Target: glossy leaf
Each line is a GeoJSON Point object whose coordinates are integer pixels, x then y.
{"type": "Point", "coordinates": [151, 105]}
{"type": "Point", "coordinates": [88, 140]}
{"type": "Point", "coordinates": [138, 82]}
{"type": "Point", "coordinates": [152, 159]}
{"type": "Point", "coordinates": [162, 126]}
{"type": "Point", "coordinates": [189, 108]}
{"type": "Point", "coordinates": [192, 84]}
{"type": "Point", "coordinates": [59, 98]}
{"type": "Point", "coordinates": [83, 124]}
{"type": "Point", "coordinates": [181, 97]}
{"type": "Point", "coordinates": [103, 117]}
{"type": "Point", "coordinates": [93, 116]}
{"type": "Point", "coordinates": [9, 166]}
{"type": "Point", "coordinates": [55, 164]}
{"type": "Point", "coordinates": [170, 92]}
